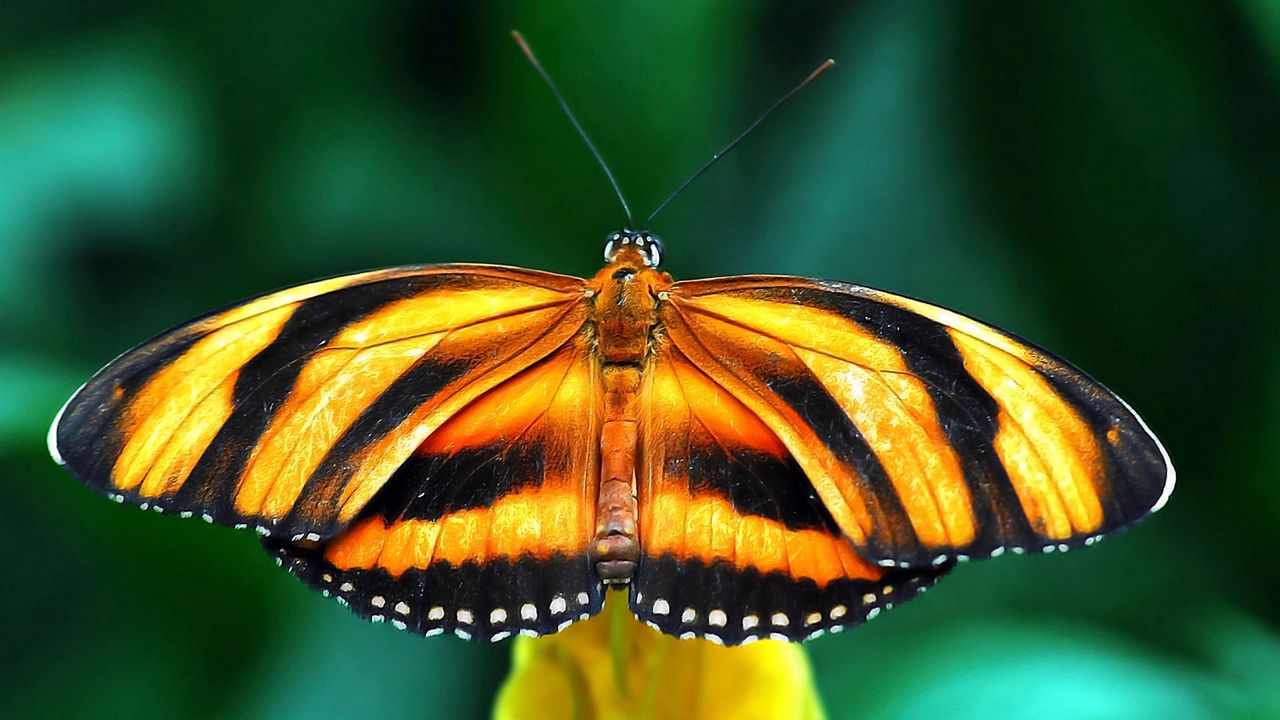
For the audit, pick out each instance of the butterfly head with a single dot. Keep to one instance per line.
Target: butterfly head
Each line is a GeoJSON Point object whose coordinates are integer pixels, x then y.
{"type": "Point", "coordinates": [646, 243]}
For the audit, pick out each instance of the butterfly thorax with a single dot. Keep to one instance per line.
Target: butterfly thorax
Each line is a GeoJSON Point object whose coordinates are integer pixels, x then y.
{"type": "Point", "coordinates": [626, 294]}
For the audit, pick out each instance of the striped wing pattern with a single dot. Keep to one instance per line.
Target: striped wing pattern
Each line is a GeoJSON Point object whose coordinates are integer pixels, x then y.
{"type": "Point", "coordinates": [482, 531]}
{"type": "Point", "coordinates": [816, 452]}
{"type": "Point", "coordinates": [336, 418]}
{"type": "Point", "coordinates": [423, 444]}
{"type": "Point", "coordinates": [737, 545]}
{"type": "Point", "coordinates": [925, 434]}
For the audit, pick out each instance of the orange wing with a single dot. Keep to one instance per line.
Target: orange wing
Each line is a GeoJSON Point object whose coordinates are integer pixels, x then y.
{"type": "Point", "coordinates": [289, 411]}
{"type": "Point", "coordinates": [736, 544]}
{"type": "Point", "coordinates": [483, 530]}
{"type": "Point", "coordinates": [925, 434]}
{"type": "Point", "coordinates": [317, 415]}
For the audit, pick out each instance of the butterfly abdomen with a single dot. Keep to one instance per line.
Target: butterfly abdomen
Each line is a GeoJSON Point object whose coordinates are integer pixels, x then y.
{"type": "Point", "coordinates": [615, 549]}
{"type": "Point", "coordinates": [625, 311]}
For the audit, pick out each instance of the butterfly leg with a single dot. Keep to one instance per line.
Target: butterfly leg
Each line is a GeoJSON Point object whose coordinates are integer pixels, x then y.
{"type": "Point", "coordinates": [615, 550]}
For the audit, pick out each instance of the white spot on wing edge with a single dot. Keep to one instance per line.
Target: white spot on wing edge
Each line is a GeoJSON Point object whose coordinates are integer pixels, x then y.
{"type": "Point", "coordinates": [1171, 477]}
{"type": "Point", "coordinates": [51, 439]}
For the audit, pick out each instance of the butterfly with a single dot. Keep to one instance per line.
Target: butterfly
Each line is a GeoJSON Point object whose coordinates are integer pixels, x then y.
{"type": "Point", "coordinates": [488, 450]}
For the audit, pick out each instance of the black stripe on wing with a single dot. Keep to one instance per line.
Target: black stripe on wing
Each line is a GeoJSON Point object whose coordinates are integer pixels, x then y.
{"type": "Point", "coordinates": [787, 377]}
{"type": "Point", "coordinates": [754, 483]}
{"type": "Point", "coordinates": [1135, 465]}
{"type": "Point", "coordinates": [428, 487]}
{"type": "Point", "coordinates": [1138, 470]}
{"type": "Point", "coordinates": [266, 381]}
{"type": "Point", "coordinates": [966, 412]}
{"type": "Point", "coordinates": [85, 438]}
{"type": "Point", "coordinates": [485, 479]}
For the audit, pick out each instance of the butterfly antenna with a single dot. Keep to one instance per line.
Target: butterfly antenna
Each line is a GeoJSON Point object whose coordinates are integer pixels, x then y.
{"type": "Point", "coordinates": [524, 47]}
{"type": "Point", "coordinates": [707, 165]}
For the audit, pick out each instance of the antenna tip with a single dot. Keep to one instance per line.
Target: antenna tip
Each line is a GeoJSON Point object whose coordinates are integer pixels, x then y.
{"type": "Point", "coordinates": [524, 46]}
{"type": "Point", "coordinates": [818, 71]}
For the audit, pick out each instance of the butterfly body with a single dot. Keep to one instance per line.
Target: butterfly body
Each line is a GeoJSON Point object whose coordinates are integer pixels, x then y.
{"type": "Point", "coordinates": [484, 450]}
{"type": "Point", "coordinates": [625, 296]}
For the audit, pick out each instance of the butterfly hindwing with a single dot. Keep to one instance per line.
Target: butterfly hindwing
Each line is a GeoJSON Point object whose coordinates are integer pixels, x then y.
{"type": "Point", "coordinates": [926, 434]}
{"type": "Point", "coordinates": [289, 412]}
{"type": "Point", "coordinates": [482, 531]}
{"type": "Point", "coordinates": [736, 544]}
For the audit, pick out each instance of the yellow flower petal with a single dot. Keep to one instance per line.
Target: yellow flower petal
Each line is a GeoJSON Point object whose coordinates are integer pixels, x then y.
{"type": "Point", "coordinates": [613, 667]}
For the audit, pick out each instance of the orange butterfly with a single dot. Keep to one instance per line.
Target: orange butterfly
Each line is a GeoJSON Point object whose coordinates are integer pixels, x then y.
{"type": "Point", "coordinates": [484, 450]}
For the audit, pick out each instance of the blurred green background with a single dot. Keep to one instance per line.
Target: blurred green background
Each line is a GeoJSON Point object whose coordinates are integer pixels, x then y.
{"type": "Point", "coordinates": [1101, 177]}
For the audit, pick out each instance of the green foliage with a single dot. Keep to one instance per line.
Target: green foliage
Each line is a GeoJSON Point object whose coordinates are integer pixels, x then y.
{"type": "Point", "coordinates": [1100, 177]}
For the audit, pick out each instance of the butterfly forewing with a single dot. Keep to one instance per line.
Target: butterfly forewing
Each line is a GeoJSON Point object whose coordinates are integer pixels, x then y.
{"type": "Point", "coordinates": [288, 412]}
{"type": "Point", "coordinates": [926, 434]}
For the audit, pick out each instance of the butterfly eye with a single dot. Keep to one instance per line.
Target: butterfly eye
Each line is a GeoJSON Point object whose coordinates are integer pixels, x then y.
{"type": "Point", "coordinates": [651, 246]}
{"type": "Point", "coordinates": [611, 244]}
